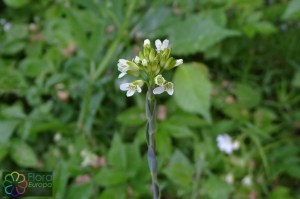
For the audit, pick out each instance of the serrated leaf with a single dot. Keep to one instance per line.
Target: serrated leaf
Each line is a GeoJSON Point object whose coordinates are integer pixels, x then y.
{"type": "Point", "coordinates": [197, 33]}
{"type": "Point", "coordinates": [192, 89]}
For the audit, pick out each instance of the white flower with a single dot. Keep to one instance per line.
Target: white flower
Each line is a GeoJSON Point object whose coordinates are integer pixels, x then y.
{"type": "Point", "coordinates": [125, 65]}
{"type": "Point", "coordinates": [146, 42]}
{"type": "Point", "coordinates": [144, 62]}
{"type": "Point", "coordinates": [137, 59]}
{"type": "Point", "coordinates": [6, 27]}
{"type": "Point", "coordinates": [179, 62]}
{"type": "Point", "coordinates": [247, 181]}
{"type": "Point", "coordinates": [169, 87]}
{"type": "Point", "coordinates": [229, 178]}
{"type": "Point", "coordinates": [88, 158]}
{"type": "Point", "coordinates": [132, 87]}
{"type": "Point", "coordinates": [161, 45]}
{"type": "Point", "coordinates": [159, 80]}
{"type": "Point", "coordinates": [57, 137]}
{"type": "Point", "coordinates": [226, 145]}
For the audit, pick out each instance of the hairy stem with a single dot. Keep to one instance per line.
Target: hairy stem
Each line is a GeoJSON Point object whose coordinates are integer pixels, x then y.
{"type": "Point", "coordinates": [150, 135]}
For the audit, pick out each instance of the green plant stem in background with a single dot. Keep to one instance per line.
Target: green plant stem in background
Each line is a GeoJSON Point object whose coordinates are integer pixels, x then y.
{"type": "Point", "coordinates": [150, 135]}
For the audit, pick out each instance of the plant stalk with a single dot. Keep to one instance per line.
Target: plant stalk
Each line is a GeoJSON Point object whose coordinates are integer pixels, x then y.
{"type": "Point", "coordinates": [150, 136]}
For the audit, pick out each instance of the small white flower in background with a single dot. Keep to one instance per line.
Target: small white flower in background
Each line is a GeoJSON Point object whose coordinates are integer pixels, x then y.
{"type": "Point", "coordinates": [163, 86]}
{"type": "Point", "coordinates": [57, 137]}
{"type": "Point", "coordinates": [6, 27]}
{"type": "Point", "coordinates": [179, 62]}
{"type": "Point", "coordinates": [159, 80]}
{"type": "Point", "coordinates": [247, 181]}
{"type": "Point", "coordinates": [131, 88]}
{"type": "Point", "coordinates": [2, 21]}
{"type": "Point", "coordinates": [229, 178]}
{"type": "Point", "coordinates": [88, 158]}
{"type": "Point", "coordinates": [146, 42]}
{"type": "Point", "coordinates": [161, 45]}
{"type": "Point", "coordinates": [226, 145]}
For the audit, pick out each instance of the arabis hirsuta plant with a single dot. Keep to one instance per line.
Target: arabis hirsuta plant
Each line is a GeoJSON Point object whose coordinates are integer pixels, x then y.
{"type": "Point", "coordinates": [148, 67]}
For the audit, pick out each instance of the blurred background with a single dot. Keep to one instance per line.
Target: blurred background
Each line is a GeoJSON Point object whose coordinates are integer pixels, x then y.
{"type": "Point", "coordinates": [61, 109]}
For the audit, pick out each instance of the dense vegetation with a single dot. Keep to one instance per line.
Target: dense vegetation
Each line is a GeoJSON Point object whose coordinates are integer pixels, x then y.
{"type": "Point", "coordinates": [61, 109]}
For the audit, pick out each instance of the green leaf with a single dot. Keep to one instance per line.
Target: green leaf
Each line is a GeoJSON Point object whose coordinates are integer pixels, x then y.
{"type": "Point", "coordinates": [23, 154]}
{"type": "Point", "coordinates": [6, 130]}
{"type": "Point", "coordinates": [247, 96]}
{"type": "Point", "coordinates": [60, 180]}
{"type": "Point", "coordinates": [16, 3]}
{"type": "Point", "coordinates": [133, 117]}
{"type": "Point", "coordinates": [110, 177]}
{"type": "Point", "coordinates": [296, 80]}
{"type": "Point", "coordinates": [12, 81]}
{"type": "Point", "coordinates": [280, 193]}
{"type": "Point", "coordinates": [80, 191]}
{"type": "Point", "coordinates": [292, 11]}
{"type": "Point", "coordinates": [180, 170]}
{"type": "Point", "coordinates": [216, 188]}
{"type": "Point", "coordinates": [117, 154]}
{"type": "Point", "coordinates": [114, 193]}
{"type": "Point", "coordinates": [32, 67]}
{"type": "Point", "coordinates": [196, 34]}
{"type": "Point", "coordinates": [13, 47]}
{"type": "Point", "coordinates": [192, 89]}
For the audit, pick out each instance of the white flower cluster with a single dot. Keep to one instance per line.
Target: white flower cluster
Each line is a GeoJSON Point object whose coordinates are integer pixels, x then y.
{"type": "Point", "coordinates": [226, 145]}
{"type": "Point", "coordinates": [149, 65]}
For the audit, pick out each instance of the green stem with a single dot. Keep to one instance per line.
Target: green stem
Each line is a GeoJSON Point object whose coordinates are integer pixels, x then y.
{"type": "Point", "coordinates": [150, 134]}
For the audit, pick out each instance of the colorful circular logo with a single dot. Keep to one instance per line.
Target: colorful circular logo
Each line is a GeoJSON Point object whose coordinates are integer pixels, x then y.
{"type": "Point", "coordinates": [15, 184]}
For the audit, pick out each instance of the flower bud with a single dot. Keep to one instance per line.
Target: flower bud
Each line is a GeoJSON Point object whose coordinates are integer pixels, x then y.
{"type": "Point", "coordinates": [146, 52]}
{"type": "Point", "coordinates": [170, 63]}
{"type": "Point", "coordinates": [152, 55]}
{"type": "Point", "coordinates": [132, 65]}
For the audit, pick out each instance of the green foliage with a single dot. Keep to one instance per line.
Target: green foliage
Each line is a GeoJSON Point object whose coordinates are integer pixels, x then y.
{"type": "Point", "coordinates": [61, 109]}
{"type": "Point", "coordinates": [192, 91]}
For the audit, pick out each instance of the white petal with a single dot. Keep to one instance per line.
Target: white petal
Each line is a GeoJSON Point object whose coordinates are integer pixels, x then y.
{"type": "Point", "coordinates": [146, 42]}
{"type": "Point", "coordinates": [144, 62]}
{"type": "Point", "coordinates": [123, 61]}
{"type": "Point", "coordinates": [158, 90]}
{"type": "Point", "coordinates": [136, 59]}
{"type": "Point", "coordinates": [165, 44]}
{"type": "Point", "coordinates": [157, 78]}
{"type": "Point", "coordinates": [170, 91]}
{"type": "Point", "coordinates": [179, 62]}
{"type": "Point", "coordinates": [124, 87]}
{"type": "Point", "coordinates": [122, 75]}
{"type": "Point", "coordinates": [138, 89]}
{"type": "Point", "coordinates": [158, 44]}
{"type": "Point", "coordinates": [130, 93]}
